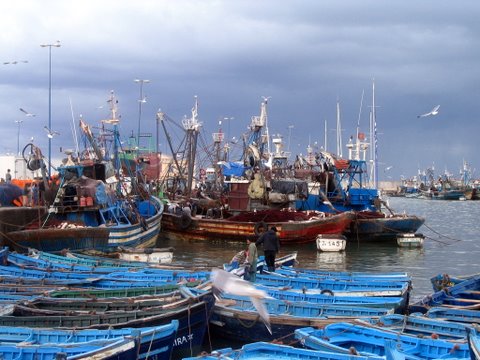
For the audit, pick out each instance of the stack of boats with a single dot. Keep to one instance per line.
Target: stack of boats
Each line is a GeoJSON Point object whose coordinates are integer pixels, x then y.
{"type": "Point", "coordinates": [443, 325]}
{"type": "Point", "coordinates": [84, 304]}
{"type": "Point", "coordinates": [81, 305]}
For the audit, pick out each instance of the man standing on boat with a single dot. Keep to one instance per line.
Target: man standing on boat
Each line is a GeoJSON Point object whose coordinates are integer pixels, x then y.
{"type": "Point", "coordinates": [271, 246]}
{"type": "Point", "coordinates": [251, 265]}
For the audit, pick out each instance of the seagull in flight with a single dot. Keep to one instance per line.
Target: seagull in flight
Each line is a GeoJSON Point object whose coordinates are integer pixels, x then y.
{"type": "Point", "coordinates": [433, 112]}
{"type": "Point", "coordinates": [26, 112]}
{"type": "Point", "coordinates": [50, 133]}
{"type": "Point", "coordinates": [223, 281]}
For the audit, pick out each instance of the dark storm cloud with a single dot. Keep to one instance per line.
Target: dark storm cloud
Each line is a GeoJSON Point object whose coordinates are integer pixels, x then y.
{"type": "Point", "coordinates": [304, 54]}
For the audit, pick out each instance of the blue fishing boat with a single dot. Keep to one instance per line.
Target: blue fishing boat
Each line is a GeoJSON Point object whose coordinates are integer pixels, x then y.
{"type": "Point", "coordinates": [337, 287]}
{"type": "Point", "coordinates": [397, 304]}
{"type": "Point", "coordinates": [442, 281]}
{"type": "Point", "coordinates": [342, 275]}
{"type": "Point", "coordinates": [264, 351]}
{"type": "Point", "coordinates": [474, 344]}
{"type": "Point", "coordinates": [192, 313]}
{"type": "Point", "coordinates": [74, 259]}
{"type": "Point", "coordinates": [235, 317]}
{"type": "Point", "coordinates": [238, 269]}
{"type": "Point", "coordinates": [463, 294]}
{"type": "Point", "coordinates": [465, 316]}
{"type": "Point", "coordinates": [154, 342]}
{"type": "Point", "coordinates": [347, 337]}
{"type": "Point", "coordinates": [419, 326]}
{"type": "Point", "coordinates": [124, 348]}
{"type": "Point", "coordinates": [92, 205]}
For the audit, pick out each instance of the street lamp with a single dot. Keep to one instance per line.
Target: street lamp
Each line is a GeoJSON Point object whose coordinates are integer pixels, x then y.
{"type": "Point", "coordinates": [19, 122]}
{"type": "Point", "coordinates": [57, 44]}
{"type": "Point", "coordinates": [141, 100]}
{"type": "Point", "coordinates": [290, 127]}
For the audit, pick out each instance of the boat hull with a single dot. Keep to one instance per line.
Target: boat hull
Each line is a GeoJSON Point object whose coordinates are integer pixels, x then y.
{"type": "Point", "coordinates": [92, 237]}
{"type": "Point", "coordinates": [372, 228]}
{"type": "Point", "coordinates": [289, 232]}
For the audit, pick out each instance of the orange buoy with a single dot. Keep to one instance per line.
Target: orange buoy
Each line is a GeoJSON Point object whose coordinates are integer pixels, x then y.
{"type": "Point", "coordinates": [82, 201]}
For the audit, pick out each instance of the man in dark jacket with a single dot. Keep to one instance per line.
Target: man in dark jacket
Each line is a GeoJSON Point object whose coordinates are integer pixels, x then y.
{"type": "Point", "coordinates": [271, 246]}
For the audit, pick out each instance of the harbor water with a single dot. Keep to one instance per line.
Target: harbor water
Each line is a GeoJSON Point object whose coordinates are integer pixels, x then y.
{"type": "Point", "coordinates": [452, 246]}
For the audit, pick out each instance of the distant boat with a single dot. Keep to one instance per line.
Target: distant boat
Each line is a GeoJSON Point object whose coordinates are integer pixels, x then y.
{"type": "Point", "coordinates": [410, 240]}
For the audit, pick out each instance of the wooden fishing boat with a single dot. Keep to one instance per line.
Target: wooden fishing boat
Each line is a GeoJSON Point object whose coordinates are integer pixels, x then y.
{"type": "Point", "coordinates": [284, 260]}
{"type": "Point", "coordinates": [293, 227]}
{"type": "Point", "coordinates": [344, 275]}
{"type": "Point", "coordinates": [397, 304]}
{"type": "Point", "coordinates": [264, 351]}
{"type": "Point", "coordinates": [154, 342]}
{"type": "Point", "coordinates": [410, 240]}
{"type": "Point", "coordinates": [419, 326]}
{"type": "Point", "coordinates": [337, 287]}
{"type": "Point", "coordinates": [124, 348]}
{"type": "Point", "coordinates": [474, 344]}
{"type": "Point", "coordinates": [465, 316]}
{"type": "Point", "coordinates": [342, 337]}
{"type": "Point", "coordinates": [463, 294]}
{"type": "Point", "coordinates": [90, 207]}
{"type": "Point", "coordinates": [93, 235]}
{"type": "Point", "coordinates": [235, 317]}
{"type": "Point", "coordinates": [117, 278]}
{"type": "Point", "coordinates": [192, 313]}
{"type": "Point", "coordinates": [74, 259]}
{"type": "Point", "coordinates": [102, 304]}
{"type": "Point", "coordinates": [338, 185]}
{"type": "Point", "coordinates": [146, 255]}
{"type": "Point", "coordinates": [116, 292]}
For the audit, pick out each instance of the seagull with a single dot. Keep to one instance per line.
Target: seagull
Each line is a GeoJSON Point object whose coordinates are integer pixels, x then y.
{"type": "Point", "coordinates": [433, 112]}
{"type": "Point", "coordinates": [26, 112]}
{"type": "Point", "coordinates": [50, 133]}
{"type": "Point", "coordinates": [229, 283]}
{"type": "Point", "coordinates": [15, 62]}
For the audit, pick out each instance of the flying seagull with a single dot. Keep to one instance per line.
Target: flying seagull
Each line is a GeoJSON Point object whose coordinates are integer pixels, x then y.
{"type": "Point", "coordinates": [26, 112]}
{"type": "Point", "coordinates": [433, 112]}
{"type": "Point", "coordinates": [50, 133]}
{"type": "Point", "coordinates": [229, 283]}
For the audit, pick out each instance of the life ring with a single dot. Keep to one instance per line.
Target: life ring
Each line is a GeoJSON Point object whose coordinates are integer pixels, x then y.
{"type": "Point", "coordinates": [326, 292]}
{"type": "Point", "coordinates": [259, 225]}
{"type": "Point", "coordinates": [184, 221]}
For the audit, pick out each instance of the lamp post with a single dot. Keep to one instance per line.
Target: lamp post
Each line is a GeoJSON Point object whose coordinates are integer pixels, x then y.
{"type": "Point", "coordinates": [57, 44]}
{"type": "Point", "coordinates": [19, 122]}
{"type": "Point", "coordinates": [141, 100]}
{"type": "Point", "coordinates": [290, 127]}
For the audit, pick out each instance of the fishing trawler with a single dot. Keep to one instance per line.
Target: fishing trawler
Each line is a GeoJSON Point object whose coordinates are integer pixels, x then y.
{"type": "Point", "coordinates": [94, 204]}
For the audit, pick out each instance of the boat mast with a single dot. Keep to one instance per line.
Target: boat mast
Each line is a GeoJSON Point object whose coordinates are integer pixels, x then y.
{"type": "Point", "coordinates": [339, 132]}
{"type": "Point", "coordinates": [375, 142]}
{"type": "Point", "coordinates": [325, 140]}
{"type": "Point", "coordinates": [192, 126]}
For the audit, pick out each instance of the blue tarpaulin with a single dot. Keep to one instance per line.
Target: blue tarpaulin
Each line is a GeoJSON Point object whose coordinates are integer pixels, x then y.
{"type": "Point", "coordinates": [233, 169]}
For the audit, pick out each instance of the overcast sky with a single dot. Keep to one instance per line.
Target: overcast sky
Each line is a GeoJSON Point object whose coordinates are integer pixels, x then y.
{"type": "Point", "coordinates": [303, 54]}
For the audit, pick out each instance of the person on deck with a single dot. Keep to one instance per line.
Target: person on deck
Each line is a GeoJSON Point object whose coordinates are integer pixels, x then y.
{"type": "Point", "coordinates": [8, 177]}
{"type": "Point", "coordinates": [251, 265]}
{"type": "Point", "coordinates": [271, 246]}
